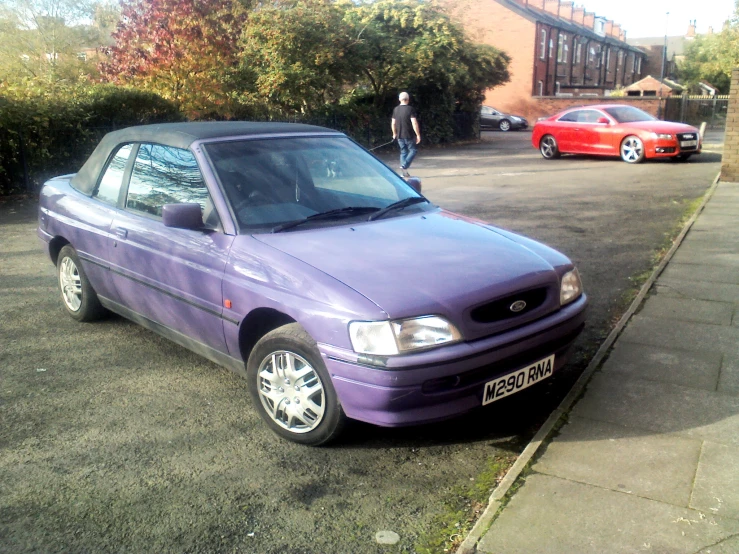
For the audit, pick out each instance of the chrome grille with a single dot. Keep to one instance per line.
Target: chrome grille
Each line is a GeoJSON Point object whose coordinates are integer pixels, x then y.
{"type": "Point", "coordinates": [511, 306]}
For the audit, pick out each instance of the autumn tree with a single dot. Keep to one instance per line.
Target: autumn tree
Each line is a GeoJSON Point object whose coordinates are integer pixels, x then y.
{"type": "Point", "coordinates": [184, 50]}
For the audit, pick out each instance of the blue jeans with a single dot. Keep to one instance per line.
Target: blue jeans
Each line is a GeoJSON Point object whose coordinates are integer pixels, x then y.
{"type": "Point", "coordinates": [407, 152]}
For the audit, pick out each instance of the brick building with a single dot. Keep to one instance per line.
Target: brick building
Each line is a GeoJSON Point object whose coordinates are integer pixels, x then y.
{"type": "Point", "coordinates": [556, 49]}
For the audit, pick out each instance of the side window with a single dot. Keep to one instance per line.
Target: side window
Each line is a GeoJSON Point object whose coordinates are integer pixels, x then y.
{"type": "Point", "coordinates": [572, 116]}
{"type": "Point", "coordinates": [109, 186]}
{"type": "Point", "coordinates": [166, 175]}
{"type": "Point", "coordinates": [486, 111]}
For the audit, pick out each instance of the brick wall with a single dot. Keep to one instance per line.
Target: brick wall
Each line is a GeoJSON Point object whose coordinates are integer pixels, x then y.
{"type": "Point", "coordinates": [730, 160]}
{"type": "Point", "coordinates": [544, 106]}
{"type": "Point", "coordinates": [487, 22]}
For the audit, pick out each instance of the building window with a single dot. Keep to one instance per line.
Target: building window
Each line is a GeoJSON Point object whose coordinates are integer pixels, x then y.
{"type": "Point", "coordinates": [638, 65]}
{"type": "Point", "coordinates": [541, 88]}
{"type": "Point", "coordinates": [620, 58]}
{"type": "Point", "coordinates": [556, 88]}
{"type": "Point", "coordinates": [551, 48]}
{"type": "Point", "coordinates": [591, 55]}
{"type": "Point", "coordinates": [578, 53]}
{"type": "Point", "coordinates": [561, 48]}
{"type": "Point", "coordinates": [543, 45]}
{"type": "Point", "coordinates": [608, 60]}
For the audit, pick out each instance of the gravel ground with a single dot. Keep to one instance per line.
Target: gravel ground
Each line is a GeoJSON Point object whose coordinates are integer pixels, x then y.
{"type": "Point", "coordinates": [113, 439]}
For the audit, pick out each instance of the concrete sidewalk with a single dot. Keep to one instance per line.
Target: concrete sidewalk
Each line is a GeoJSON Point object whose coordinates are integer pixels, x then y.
{"type": "Point", "coordinates": [648, 460]}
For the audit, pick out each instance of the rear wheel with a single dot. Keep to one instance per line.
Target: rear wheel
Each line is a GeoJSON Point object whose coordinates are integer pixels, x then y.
{"type": "Point", "coordinates": [78, 296]}
{"type": "Point", "coordinates": [632, 150]}
{"type": "Point", "coordinates": [548, 147]}
{"type": "Point", "coordinates": [504, 125]}
{"type": "Point", "coordinates": [292, 389]}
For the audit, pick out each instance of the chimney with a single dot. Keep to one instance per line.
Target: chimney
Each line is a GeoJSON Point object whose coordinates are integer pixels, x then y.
{"type": "Point", "coordinates": [578, 14]}
{"type": "Point", "coordinates": [536, 4]}
{"type": "Point", "coordinates": [551, 6]}
{"type": "Point", "coordinates": [616, 32]}
{"type": "Point", "coordinates": [691, 29]}
{"type": "Point", "coordinates": [589, 20]}
{"type": "Point", "coordinates": [609, 28]}
{"type": "Point", "coordinates": [566, 9]}
{"type": "Point", "coordinates": [622, 36]}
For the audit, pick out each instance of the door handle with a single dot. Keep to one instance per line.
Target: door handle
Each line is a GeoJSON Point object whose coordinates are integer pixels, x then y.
{"type": "Point", "coordinates": [121, 232]}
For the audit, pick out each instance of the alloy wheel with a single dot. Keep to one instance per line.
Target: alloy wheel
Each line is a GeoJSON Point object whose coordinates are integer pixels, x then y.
{"type": "Point", "coordinates": [291, 392]}
{"type": "Point", "coordinates": [632, 150]}
{"type": "Point", "coordinates": [71, 284]}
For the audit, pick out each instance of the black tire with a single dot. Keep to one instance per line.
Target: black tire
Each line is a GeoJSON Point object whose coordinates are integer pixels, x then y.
{"type": "Point", "coordinates": [632, 150]}
{"type": "Point", "coordinates": [278, 350]}
{"type": "Point", "coordinates": [504, 125]}
{"type": "Point", "coordinates": [548, 147]}
{"type": "Point", "coordinates": [78, 297]}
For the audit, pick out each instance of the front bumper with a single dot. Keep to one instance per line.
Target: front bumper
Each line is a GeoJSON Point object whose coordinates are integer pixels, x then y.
{"type": "Point", "coordinates": [448, 381]}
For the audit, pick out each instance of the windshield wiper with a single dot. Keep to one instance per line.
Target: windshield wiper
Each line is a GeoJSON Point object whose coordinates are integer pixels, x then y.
{"type": "Point", "coordinates": [399, 205]}
{"type": "Point", "coordinates": [348, 211]}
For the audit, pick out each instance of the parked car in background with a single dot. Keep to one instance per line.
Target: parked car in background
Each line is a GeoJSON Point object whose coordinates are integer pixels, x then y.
{"type": "Point", "coordinates": [614, 130]}
{"type": "Point", "coordinates": [291, 255]}
{"type": "Point", "coordinates": [492, 119]}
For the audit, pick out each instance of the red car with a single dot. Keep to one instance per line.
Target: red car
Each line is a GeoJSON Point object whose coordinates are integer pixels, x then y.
{"type": "Point", "coordinates": [614, 130]}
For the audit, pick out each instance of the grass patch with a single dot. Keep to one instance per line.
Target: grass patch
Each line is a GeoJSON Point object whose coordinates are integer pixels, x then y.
{"type": "Point", "coordinates": [637, 281]}
{"type": "Point", "coordinates": [463, 507]}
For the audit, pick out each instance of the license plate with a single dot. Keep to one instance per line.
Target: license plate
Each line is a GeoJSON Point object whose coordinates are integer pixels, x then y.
{"type": "Point", "coordinates": [518, 380]}
{"type": "Point", "coordinates": [685, 143]}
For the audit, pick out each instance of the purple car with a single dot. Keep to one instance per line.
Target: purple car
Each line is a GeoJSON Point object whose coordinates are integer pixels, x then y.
{"type": "Point", "coordinates": [294, 257]}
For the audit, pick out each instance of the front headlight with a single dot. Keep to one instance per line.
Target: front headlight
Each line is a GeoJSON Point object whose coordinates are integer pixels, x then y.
{"type": "Point", "coordinates": [666, 136]}
{"type": "Point", "coordinates": [570, 287]}
{"type": "Point", "coordinates": [388, 338]}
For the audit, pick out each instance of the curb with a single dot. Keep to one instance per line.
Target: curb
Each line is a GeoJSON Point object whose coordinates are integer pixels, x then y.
{"type": "Point", "coordinates": [469, 545]}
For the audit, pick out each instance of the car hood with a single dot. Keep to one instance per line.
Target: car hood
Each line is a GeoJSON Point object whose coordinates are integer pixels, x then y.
{"type": "Point", "coordinates": [661, 127]}
{"type": "Point", "coordinates": [430, 263]}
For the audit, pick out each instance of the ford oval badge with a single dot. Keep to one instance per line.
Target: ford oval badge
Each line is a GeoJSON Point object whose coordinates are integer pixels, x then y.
{"type": "Point", "coordinates": [517, 306]}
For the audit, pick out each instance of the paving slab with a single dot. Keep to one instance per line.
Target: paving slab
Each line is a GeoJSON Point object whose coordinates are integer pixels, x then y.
{"type": "Point", "coordinates": [726, 546]}
{"type": "Point", "coordinates": [717, 481]}
{"type": "Point", "coordinates": [720, 254]}
{"type": "Point", "coordinates": [701, 290]}
{"type": "Point", "coordinates": [698, 272]}
{"type": "Point", "coordinates": [714, 222]}
{"type": "Point", "coordinates": [549, 514]}
{"type": "Point", "coordinates": [656, 466]}
{"type": "Point", "coordinates": [662, 408]}
{"type": "Point", "coordinates": [691, 336]}
{"type": "Point", "coordinates": [688, 309]}
{"type": "Point", "coordinates": [690, 368]}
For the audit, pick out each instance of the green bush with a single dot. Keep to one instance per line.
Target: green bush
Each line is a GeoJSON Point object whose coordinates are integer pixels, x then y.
{"type": "Point", "coordinates": [51, 131]}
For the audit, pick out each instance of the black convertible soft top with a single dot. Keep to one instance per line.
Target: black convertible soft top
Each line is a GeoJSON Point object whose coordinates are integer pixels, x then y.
{"type": "Point", "coordinates": [178, 135]}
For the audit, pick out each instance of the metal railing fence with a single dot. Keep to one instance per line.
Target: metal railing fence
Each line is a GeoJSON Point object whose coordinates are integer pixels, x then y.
{"type": "Point", "coordinates": [695, 110]}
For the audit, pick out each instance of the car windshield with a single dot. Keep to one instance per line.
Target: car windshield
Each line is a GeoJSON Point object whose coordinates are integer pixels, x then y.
{"type": "Point", "coordinates": [628, 114]}
{"type": "Point", "coordinates": [271, 182]}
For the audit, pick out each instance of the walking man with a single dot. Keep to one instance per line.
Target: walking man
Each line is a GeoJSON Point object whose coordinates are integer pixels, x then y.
{"type": "Point", "coordinates": [405, 128]}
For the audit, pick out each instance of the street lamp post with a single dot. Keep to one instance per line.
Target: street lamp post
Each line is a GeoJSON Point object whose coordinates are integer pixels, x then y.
{"type": "Point", "coordinates": [662, 71]}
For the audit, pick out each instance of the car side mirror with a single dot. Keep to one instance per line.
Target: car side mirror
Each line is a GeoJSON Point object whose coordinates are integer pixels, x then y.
{"type": "Point", "coordinates": [415, 183]}
{"type": "Point", "coordinates": [183, 216]}
{"type": "Point", "coordinates": [603, 120]}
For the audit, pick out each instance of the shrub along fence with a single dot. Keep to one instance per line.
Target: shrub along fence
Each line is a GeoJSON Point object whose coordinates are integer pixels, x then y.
{"type": "Point", "coordinates": [36, 147]}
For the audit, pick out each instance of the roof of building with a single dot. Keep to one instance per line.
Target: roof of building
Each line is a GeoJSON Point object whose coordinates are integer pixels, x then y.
{"type": "Point", "coordinates": [535, 14]}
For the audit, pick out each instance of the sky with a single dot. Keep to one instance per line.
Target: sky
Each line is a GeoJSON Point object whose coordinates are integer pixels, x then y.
{"type": "Point", "coordinates": [648, 18]}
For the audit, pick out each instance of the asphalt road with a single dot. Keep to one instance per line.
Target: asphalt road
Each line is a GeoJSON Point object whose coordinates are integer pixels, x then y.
{"type": "Point", "coordinates": [113, 439]}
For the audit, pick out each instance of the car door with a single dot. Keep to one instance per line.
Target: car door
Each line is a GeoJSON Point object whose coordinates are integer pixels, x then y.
{"type": "Point", "coordinates": [566, 130]}
{"type": "Point", "coordinates": [593, 137]}
{"type": "Point", "coordinates": [489, 118]}
{"type": "Point", "coordinates": [170, 276]}
{"type": "Point", "coordinates": [94, 217]}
